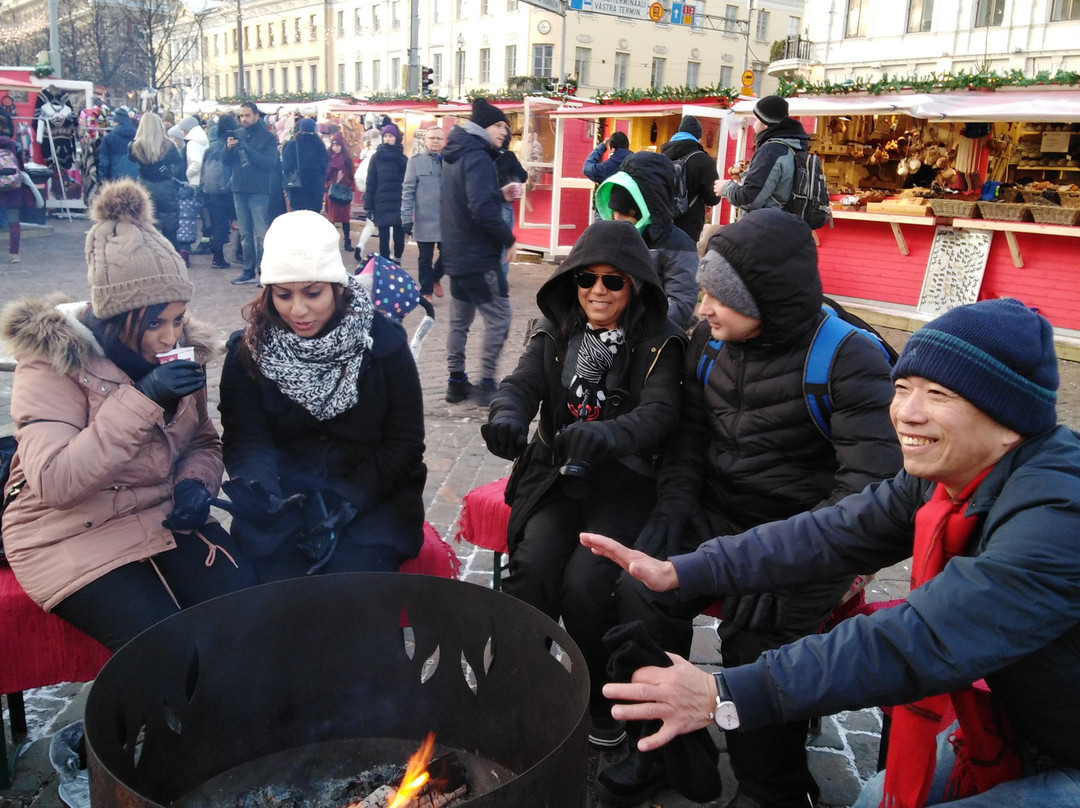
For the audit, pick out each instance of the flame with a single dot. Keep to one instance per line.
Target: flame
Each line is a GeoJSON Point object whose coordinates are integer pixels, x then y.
{"type": "Point", "coordinates": [416, 773]}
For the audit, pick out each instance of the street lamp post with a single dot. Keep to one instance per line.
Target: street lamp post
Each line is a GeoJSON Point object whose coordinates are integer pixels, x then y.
{"type": "Point", "coordinates": [460, 61]}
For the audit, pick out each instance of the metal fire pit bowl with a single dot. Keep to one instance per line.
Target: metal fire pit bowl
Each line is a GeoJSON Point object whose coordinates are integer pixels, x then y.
{"type": "Point", "coordinates": [334, 658]}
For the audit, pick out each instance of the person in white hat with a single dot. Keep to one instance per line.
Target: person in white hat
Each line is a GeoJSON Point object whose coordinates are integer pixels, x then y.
{"type": "Point", "coordinates": [322, 417]}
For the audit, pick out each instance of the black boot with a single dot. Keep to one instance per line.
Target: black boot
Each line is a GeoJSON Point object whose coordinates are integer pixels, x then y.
{"type": "Point", "coordinates": [632, 780]}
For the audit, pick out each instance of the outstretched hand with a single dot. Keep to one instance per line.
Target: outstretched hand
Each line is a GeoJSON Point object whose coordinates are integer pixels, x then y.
{"type": "Point", "coordinates": [659, 576]}
{"type": "Point", "coordinates": [681, 696]}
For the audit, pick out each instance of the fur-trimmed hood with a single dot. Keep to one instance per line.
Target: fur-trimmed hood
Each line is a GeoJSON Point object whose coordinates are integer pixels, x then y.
{"type": "Point", "coordinates": [53, 328]}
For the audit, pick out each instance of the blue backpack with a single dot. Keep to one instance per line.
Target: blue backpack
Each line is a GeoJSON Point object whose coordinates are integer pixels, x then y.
{"type": "Point", "coordinates": [831, 333]}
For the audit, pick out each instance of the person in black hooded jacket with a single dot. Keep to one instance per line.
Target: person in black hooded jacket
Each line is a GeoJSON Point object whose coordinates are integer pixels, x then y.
{"type": "Point", "coordinates": [641, 193]}
{"type": "Point", "coordinates": [766, 183]}
{"type": "Point", "coordinates": [701, 174]}
{"type": "Point", "coordinates": [748, 452]}
{"type": "Point", "coordinates": [602, 366]}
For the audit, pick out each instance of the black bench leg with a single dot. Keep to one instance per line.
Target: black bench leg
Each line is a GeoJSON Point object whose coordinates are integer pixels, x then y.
{"type": "Point", "coordinates": [17, 722]}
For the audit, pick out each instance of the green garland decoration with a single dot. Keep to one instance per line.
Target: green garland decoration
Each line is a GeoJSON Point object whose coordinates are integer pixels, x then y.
{"type": "Point", "coordinates": [935, 82]}
{"type": "Point", "coordinates": [724, 95]}
{"type": "Point", "coordinates": [41, 71]}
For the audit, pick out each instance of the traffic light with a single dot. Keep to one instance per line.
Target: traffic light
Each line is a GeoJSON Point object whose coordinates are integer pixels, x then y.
{"type": "Point", "coordinates": [426, 80]}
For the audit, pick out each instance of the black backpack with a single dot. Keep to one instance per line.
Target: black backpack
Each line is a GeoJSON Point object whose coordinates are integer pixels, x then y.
{"type": "Point", "coordinates": [213, 179]}
{"type": "Point", "coordinates": [682, 200]}
{"type": "Point", "coordinates": [809, 198]}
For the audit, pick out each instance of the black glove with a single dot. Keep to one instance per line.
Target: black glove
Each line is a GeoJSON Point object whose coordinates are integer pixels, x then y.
{"type": "Point", "coordinates": [504, 439]}
{"type": "Point", "coordinates": [583, 441]}
{"type": "Point", "coordinates": [321, 529]}
{"type": "Point", "coordinates": [167, 384]}
{"type": "Point", "coordinates": [191, 506]}
{"type": "Point", "coordinates": [407, 229]}
{"type": "Point", "coordinates": [758, 613]}
{"type": "Point", "coordinates": [253, 502]}
{"type": "Point", "coordinates": [673, 529]}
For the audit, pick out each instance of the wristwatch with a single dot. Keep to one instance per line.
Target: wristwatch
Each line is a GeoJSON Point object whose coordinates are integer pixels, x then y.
{"type": "Point", "coordinates": [724, 713]}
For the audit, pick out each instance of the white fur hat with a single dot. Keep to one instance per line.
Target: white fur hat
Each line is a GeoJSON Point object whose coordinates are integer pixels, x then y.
{"type": "Point", "coordinates": [302, 246]}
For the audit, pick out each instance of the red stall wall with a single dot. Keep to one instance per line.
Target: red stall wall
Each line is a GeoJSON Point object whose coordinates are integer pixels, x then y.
{"type": "Point", "coordinates": [861, 259]}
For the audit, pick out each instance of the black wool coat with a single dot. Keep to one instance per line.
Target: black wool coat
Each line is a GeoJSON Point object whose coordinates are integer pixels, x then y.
{"type": "Point", "coordinates": [382, 194]}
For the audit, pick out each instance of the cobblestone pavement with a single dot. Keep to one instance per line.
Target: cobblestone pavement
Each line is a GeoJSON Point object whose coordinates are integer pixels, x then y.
{"type": "Point", "coordinates": [842, 755]}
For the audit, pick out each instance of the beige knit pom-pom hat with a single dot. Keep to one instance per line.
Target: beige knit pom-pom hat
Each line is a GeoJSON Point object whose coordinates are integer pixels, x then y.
{"type": "Point", "coordinates": [129, 264]}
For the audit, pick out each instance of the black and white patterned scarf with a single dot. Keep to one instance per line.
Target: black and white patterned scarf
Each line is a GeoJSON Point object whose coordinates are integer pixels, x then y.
{"type": "Point", "coordinates": [594, 358]}
{"type": "Point", "coordinates": [320, 373]}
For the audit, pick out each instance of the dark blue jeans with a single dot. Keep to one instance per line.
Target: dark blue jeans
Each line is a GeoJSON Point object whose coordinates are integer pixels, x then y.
{"type": "Point", "coordinates": [253, 217]}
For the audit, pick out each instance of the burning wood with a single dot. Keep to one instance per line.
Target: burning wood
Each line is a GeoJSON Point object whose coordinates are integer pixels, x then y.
{"type": "Point", "coordinates": [427, 797]}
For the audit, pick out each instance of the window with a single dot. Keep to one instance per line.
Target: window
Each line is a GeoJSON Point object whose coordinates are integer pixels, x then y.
{"type": "Point", "coordinates": [247, 39]}
{"type": "Point", "coordinates": [376, 25]}
{"type": "Point", "coordinates": [376, 75]}
{"type": "Point", "coordinates": [725, 76]}
{"type": "Point", "coordinates": [269, 35]}
{"type": "Point", "coordinates": [435, 13]}
{"type": "Point", "coordinates": [340, 27]}
{"type": "Point", "coordinates": [358, 75]}
{"type": "Point", "coordinates": [459, 68]}
{"type": "Point", "coordinates": [692, 71]}
{"type": "Point", "coordinates": [511, 61]}
{"type": "Point", "coordinates": [217, 84]}
{"type": "Point", "coordinates": [258, 36]}
{"type": "Point", "coordinates": [858, 14]}
{"type": "Point", "coordinates": [511, 5]}
{"type": "Point", "coordinates": [395, 15]}
{"type": "Point", "coordinates": [793, 24]}
{"type": "Point", "coordinates": [582, 57]}
{"type": "Point", "coordinates": [484, 8]}
{"type": "Point", "coordinates": [485, 65]}
{"type": "Point", "coordinates": [459, 9]}
{"type": "Point", "coordinates": [731, 14]}
{"type": "Point", "coordinates": [284, 33]}
{"type": "Point", "coordinates": [763, 26]}
{"type": "Point", "coordinates": [217, 50]}
{"type": "Point", "coordinates": [759, 69]}
{"type": "Point", "coordinates": [919, 14]}
{"type": "Point", "coordinates": [247, 81]}
{"type": "Point", "coordinates": [233, 32]}
{"type": "Point", "coordinates": [313, 27]}
{"type": "Point", "coordinates": [542, 59]}
{"type": "Point", "coordinates": [622, 67]}
{"type": "Point", "coordinates": [296, 32]}
{"type": "Point", "coordinates": [657, 79]}
{"type": "Point", "coordinates": [284, 79]}
{"type": "Point", "coordinates": [436, 68]}
{"type": "Point", "coordinates": [206, 45]}
{"type": "Point", "coordinates": [395, 73]}
{"type": "Point", "coordinates": [259, 81]}
{"type": "Point", "coordinates": [989, 12]}
{"type": "Point", "coordinates": [358, 26]}
{"type": "Point", "coordinates": [299, 78]}
{"type": "Point", "coordinates": [271, 74]}
{"type": "Point", "coordinates": [314, 71]}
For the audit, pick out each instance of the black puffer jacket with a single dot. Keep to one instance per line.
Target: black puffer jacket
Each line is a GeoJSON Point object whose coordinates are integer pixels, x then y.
{"type": "Point", "coordinates": [259, 172]}
{"type": "Point", "coordinates": [386, 174]}
{"type": "Point", "coordinates": [643, 388]}
{"type": "Point", "coordinates": [701, 175]}
{"type": "Point", "coordinates": [162, 179]}
{"type": "Point", "coordinates": [473, 229]}
{"type": "Point", "coordinates": [747, 438]}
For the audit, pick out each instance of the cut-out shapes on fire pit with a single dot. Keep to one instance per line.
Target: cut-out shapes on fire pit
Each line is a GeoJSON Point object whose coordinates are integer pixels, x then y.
{"type": "Point", "coordinates": [560, 655]}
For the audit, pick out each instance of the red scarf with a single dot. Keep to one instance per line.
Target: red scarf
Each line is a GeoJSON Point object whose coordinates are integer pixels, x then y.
{"type": "Point", "coordinates": [983, 742]}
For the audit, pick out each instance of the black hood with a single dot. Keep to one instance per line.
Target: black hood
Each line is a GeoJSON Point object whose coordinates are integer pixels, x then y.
{"type": "Point", "coordinates": [775, 256]}
{"type": "Point", "coordinates": [607, 242]}
{"type": "Point", "coordinates": [655, 177]}
{"type": "Point", "coordinates": [461, 140]}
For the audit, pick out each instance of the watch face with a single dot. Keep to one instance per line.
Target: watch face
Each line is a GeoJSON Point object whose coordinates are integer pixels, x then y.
{"type": "Point", "coordinates": [726, 715]}
{"type": "Point", "coordinates": [543, 26]}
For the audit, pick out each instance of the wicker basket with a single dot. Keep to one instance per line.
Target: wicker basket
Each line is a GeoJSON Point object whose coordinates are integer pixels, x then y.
{"type": "Point", "coordinates": [956, 208]}
{"type": "Point", "coordinates": [1005, 211]}
{"type": "Point", "coordinates": [1070, 199]}
{"type": "Point", "coordinates": [1051, 214]}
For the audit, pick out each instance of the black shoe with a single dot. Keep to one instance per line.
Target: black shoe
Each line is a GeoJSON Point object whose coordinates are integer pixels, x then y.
{"type": "Point", "coordinates": [631, 781]}
{"type": "Point", "coordinates": [605, 731]}
{"type": "Point", "coordinates": [484, 393]}
{"type": "Point", "coordinates": [358, 254]}
{"type": "Point", "coordinates": [348, 246]}
{"type": "Point", "coordinates": [457, 390]}
{"type": "Point", "coordinates": [220, 263]}
{"type": "Point", "coordinates": [243, 279]}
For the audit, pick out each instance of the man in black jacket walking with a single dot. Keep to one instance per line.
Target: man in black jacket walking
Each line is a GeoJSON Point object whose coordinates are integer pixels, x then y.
{"type": "Point", "coordinates": [701, 174]}
{"type": "Point", "coordinates": [474, 233]}
{"type": "Point", "coordinates": [251, 154]}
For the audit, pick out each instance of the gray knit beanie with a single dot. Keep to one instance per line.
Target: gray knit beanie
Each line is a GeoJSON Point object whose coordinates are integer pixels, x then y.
{"type": "Point", "coordinates": [720, 279]}
{"type": "Point", "coordinates": [129, 264]}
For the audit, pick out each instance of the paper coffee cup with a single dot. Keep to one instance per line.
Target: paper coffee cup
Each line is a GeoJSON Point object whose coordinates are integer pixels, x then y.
{"type": "Point", "coordinates": [176, 353]}
{"type": "Point", "coordinates": [516, 190]}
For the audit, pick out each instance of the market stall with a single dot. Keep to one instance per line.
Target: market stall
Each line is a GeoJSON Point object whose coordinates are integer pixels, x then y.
{"type": "Point", "coordinates": [945, 198]}
{"type": "Point", "coordinates": [559, 138]}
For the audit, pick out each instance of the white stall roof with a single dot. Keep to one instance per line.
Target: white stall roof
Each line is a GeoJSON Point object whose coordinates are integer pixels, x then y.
{"type": "Point", "coordinates": [1037, 103]}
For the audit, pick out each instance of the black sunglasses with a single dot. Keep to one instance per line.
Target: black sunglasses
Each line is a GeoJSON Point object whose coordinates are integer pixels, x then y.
{"type": "Point", "coordinates": [587, 280]}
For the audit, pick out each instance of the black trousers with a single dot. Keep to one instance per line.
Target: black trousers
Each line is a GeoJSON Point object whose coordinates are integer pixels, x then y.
{"type": "Point", "coordinates": [550, 569]}
{"type": "Point", "coordinates": [384, 240]}
{"type": "Point", "coordinates": [128, 600]}
{"type": "Point", "coordinates": [222, 212]}
{"type": "Point", "coordinates": [428, 272]}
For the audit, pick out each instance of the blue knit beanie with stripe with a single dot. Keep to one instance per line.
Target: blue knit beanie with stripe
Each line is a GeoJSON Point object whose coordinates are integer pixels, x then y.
{"type": "Point", "coordinates": [997, 354]}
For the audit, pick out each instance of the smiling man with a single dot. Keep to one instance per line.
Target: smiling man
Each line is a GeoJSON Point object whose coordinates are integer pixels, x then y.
{"type": "Point", "coordinates": [988, 506]}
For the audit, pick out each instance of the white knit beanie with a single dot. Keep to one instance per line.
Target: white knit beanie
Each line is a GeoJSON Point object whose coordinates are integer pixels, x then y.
{"type": "Point", "coordinates": [302, 246]}
{"type": "Point", "coordinates": [129, 264]}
